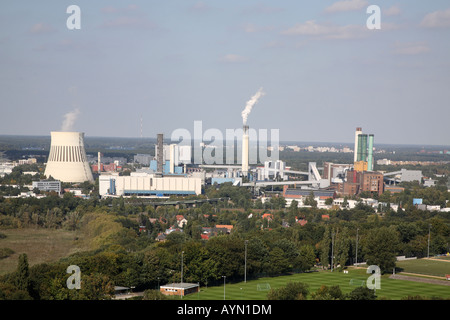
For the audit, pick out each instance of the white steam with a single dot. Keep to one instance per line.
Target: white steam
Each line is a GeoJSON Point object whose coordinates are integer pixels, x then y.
{"type": "Point", "coordinates": [69, 120]}
{"type": "Point", "coordinates": [250, 103]}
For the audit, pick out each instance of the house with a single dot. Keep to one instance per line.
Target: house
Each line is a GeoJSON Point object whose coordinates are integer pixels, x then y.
{"type": "Point", "coordinates": [301, 221]}
{"type": "Point", "coordinates": [227, 227]}
{"type": "Point", "coordinates": [181, 221]}
{"type": "Point", "coordinates": [161, 237]}
{"type": "Point", "coordinates": [325, 217]}
{"type": "Point", "coordinates": [208, 232]}
{"type": "Point", "coordinates": [267, 216]}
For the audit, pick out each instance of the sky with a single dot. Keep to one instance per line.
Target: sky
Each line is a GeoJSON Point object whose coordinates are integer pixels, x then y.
{"type": "Point", "coordinates": [166, 64]}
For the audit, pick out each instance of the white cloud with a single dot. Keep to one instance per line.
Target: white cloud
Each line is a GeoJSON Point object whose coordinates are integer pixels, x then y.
{"type": "Point", "coordinates": [411, 48]}
{"type": "Point", "coordinates": [311, 28]}
{"type": "Point", "coordinates": [392, 11]}
{"type": "Point", "coordinates": [233, 58]}
{"type": "Point", "coordinates": [128, 21]}
{"type": "Point", "coordinates": [437, 19]}
{"type": "Point", "coordinates": [347, 5]}
{"type": "Point", "coordinates": [41, 28]}
{"type": "Point", "coordinates": [251, 28]}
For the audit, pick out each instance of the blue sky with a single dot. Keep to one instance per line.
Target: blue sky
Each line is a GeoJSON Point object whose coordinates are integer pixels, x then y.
{"type": "Point", "coordinates": [174, 62]}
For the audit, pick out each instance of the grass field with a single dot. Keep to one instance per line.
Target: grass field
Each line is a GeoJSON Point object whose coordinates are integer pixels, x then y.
{"type": "Point", "coordinates": [437, 267]}
{"type": "Point", "coordinates": [390, 288]}
{"type": "Point", "coordinates": [40, 245]}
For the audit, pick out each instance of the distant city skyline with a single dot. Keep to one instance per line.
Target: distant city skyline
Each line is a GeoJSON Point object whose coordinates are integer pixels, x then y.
{"type": "Point", "coordinates": [165, 65]}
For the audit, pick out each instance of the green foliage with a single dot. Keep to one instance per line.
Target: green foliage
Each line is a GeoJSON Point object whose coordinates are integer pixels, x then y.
{"type": "Point", "coordinates": [5, 252]}
{"type": "Point", "coordinates": [292, 291]}
{"type": "Point", "coordinates": [381, 247]}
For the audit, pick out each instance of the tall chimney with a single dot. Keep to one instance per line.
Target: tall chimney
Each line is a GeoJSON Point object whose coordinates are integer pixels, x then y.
{"type": "Point", "coordinates": [245, 151]}
{"type": "Point", "coordinates": [357, 133]}
{"type": "Point", "coordinates": [160, 155]}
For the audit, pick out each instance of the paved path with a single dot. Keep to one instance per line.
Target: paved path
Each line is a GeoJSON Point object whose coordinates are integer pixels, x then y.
{"type": "Point", "coordinates": [417, 279]}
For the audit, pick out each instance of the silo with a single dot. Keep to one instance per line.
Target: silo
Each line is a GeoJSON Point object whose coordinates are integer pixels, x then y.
{"type": "Point", "coordinates": [67, 159]}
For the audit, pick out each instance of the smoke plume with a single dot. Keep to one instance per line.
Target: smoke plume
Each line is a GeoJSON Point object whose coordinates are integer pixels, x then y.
{"type": "Point", "coordinates": [250, 103]}
{"type": "Point", "coordinates": [69, 120]}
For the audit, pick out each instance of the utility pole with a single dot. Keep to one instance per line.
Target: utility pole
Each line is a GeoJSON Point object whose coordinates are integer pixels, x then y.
{"type": "Point", "coordinates": [182, 266]}
{"type": "Point", "coordinates": [332, 250]}
{"type": "Point", "coordinates": [356, 263]}
{"type": "Point", "coordinates": [224, 277]}
{"type": "Point", "coordinates": [245, 266]}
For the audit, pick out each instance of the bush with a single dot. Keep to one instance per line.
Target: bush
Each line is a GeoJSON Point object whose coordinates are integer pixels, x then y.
{"type": "Point", "coordinates": [5, 252]}
{"type": "Point", "coordinates": [292, 291]}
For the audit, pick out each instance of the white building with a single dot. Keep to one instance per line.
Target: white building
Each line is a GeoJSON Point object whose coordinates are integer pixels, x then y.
{"type": "Point", "coordinates": [145, 184]}
{"type": "Point", "coordinates": [271, 170]}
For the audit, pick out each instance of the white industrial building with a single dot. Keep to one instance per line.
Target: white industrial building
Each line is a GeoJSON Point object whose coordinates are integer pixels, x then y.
{"type": "Point", "coordinates": [272, 170]}
{"type": "Point", "coordinates": [177, 154]}
{"type": "Point", "coordinates": [147, 184]}
{"type": "Point", "coordinates": [67, 160]}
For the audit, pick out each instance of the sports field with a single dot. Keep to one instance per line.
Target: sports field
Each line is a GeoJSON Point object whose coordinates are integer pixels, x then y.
{"type": "Point", "coordinates": [437, 267]}
{"type": "Point", "coordinates": [258, 289]}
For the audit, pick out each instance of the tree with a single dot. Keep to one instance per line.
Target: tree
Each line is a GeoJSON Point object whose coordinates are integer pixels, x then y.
{"type": "Point", "coordinates": [278, 263]}
{"type": "Point", "coordinates": [328, 293]}
{"type": "Point", "coordinates": [22, 276]}
{"type": "Point", "coordinates": [381, 247]}
{"type": "Point", "coordinates": [306, 258]}
{"type": "Point", "coordinates": [292, 291]}
{"type": "Point", "coordinates": [361, 293]}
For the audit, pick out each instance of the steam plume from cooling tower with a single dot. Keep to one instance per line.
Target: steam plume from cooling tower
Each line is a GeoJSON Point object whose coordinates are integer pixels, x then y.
{"type": "Point", "coordinates": [250, 103]}
{"type": "Point", "coordinates": [69, 120]}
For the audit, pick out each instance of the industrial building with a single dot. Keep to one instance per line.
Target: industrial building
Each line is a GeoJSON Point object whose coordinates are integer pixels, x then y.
{"type": "Point", "coordinates": [147, 184]}
{"type": "Point", "coordinates": [359, 181]}
{"type": "Point", "coordinates": [47, 185]}
{"type": "Point", "coordinates": [272, 170]}
{"type": "Point", "coordinates": [363, 152]}
{"type": "Point", "coordinates": [67, 159]}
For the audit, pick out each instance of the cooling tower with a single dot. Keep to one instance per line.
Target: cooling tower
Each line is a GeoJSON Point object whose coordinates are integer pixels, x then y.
{"type": "Point", "coordinates": [67, 160]}
{"type": "Point", "coordinates": [245, 152]}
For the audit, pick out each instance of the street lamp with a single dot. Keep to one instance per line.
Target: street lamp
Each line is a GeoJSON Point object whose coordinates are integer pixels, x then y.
{"type": "Point", "coordinates": [245, 267]}
{"type": "Point", "coordinates": [182, 266]}
{"type": "Point", "coordinates": [332, 250]}
{"type": "Point", "coordinates": [356, 263]}
{"type": "Point", "coordinates": [429, 231]}
{"type": "Point", "coordinates": [224, 277]}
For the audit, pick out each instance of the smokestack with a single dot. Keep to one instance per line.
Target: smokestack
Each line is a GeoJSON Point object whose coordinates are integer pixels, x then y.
{"type": "Point", "coordinates": [370, 154]}
{"type": "Point", "coordinates": [245, 151]}
{"type": "Point", "coordinates": [357, 133]}
{"type": "Point", "coordinates": [172, 158]}
{"type": "Point", "coordinates": [160, 153]}
{"type": "Point", "coordinates": [99, 162]}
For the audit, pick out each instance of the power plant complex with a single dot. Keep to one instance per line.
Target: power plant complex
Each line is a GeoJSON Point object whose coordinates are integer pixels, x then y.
{"type": "Point", "coordinates": [171, 171]}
